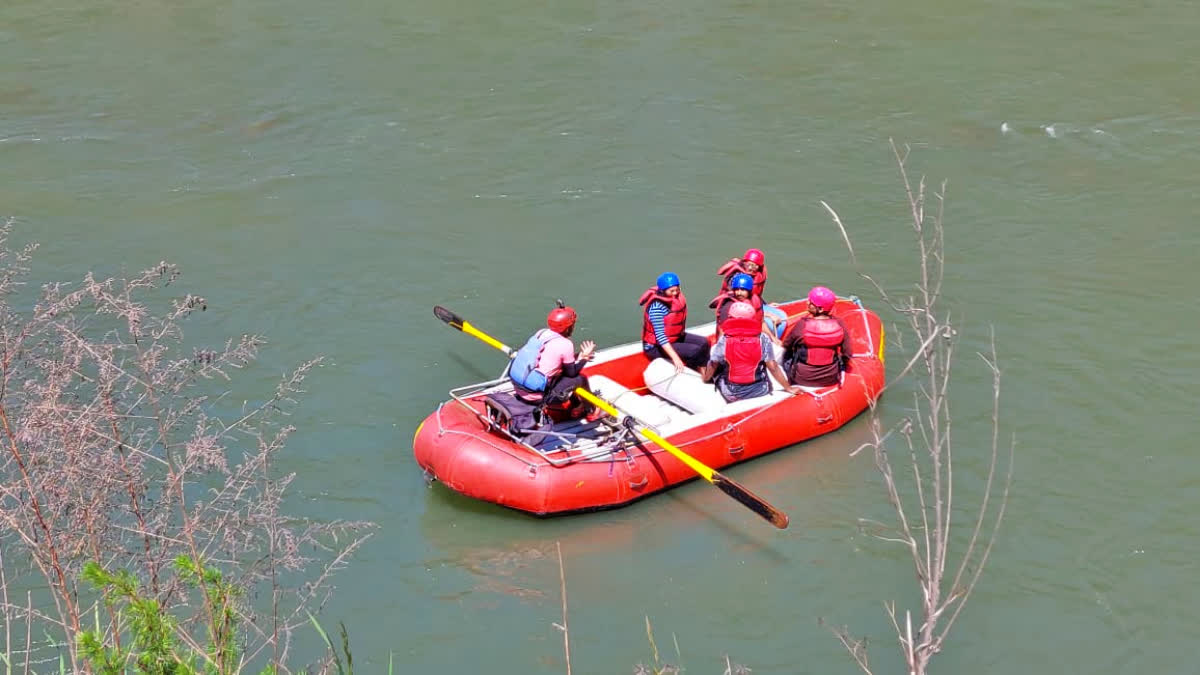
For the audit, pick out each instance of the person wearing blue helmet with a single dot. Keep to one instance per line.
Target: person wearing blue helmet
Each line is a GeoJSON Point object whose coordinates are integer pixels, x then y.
{"type": "Point", "coordinates": [664, 323]}
{"type": "Point", "coordinates": [753, 263]}
{"type": "Point", "coordinates": [741, 288]}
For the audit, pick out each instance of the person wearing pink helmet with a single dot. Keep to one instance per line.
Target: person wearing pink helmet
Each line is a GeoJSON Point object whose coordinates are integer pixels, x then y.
{"type": "Point", "coordinates": [742, 357]}
{"type": "Point", "coordinates": [547, 370]}
{"type": "Point", "coordinates": [817, 347]}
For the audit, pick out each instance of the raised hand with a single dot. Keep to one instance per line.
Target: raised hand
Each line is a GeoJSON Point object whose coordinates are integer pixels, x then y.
{"type": "Point", "coordinates": [587, 350]}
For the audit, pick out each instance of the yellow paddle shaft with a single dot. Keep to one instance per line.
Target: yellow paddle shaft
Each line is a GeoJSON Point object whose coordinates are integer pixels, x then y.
{"type": "Point", "coordinates": [471, 330]}
{"type": "Point", "coordinates": [694, 464]}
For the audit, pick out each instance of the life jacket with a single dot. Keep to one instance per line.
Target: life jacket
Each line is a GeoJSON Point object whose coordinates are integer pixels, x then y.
{"type": "Point", "coordinates": [523, 370]}
{"type": "Point", "coordinates": [735, 266]}
{"type": "Point", "coordinates": [727, 296]}
{"type": "Point", "coordinates": [743, 350]}
{"type": "Point", "coordinates": [674, 322]}
{"type": "Point", "coordinates": [820, 341]}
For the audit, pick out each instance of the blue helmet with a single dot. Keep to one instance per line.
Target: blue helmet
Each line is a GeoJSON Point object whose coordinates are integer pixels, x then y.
{"type": "Point", "coordinates": [741, 282]}
{"type": "Point", "coordinates": [667, 280]}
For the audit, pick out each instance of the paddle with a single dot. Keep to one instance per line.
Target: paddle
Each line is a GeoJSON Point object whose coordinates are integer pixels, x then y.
{"type": "Point", "coordinates": [724, 483]}
{"type": "Point", "coordinates": [456, 321]}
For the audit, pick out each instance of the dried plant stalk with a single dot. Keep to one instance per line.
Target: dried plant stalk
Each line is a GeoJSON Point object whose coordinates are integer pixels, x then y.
{"type": "Point", "coordinates": [118, 446]}
{"type": "Point", "coordinates": [925, 517]}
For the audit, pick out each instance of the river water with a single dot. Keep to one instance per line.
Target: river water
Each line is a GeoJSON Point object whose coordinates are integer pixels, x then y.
{"type": "Point", "coordinates": [326, 172]}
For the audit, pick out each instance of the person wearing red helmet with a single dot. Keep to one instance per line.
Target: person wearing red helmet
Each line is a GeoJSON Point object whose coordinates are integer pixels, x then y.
{"type": "Point", "coordinates": [817, 347]}
{"type": "Point", "coordinates": [743, 356]}
{"type": "Point", "coordinates": [752, 262]}
{"type": "Point", "coordinates": [546, 368]}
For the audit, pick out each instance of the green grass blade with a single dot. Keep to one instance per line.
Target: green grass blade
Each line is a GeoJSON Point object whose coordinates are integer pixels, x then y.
{"type": "Point", "coordinates": [337, 662]}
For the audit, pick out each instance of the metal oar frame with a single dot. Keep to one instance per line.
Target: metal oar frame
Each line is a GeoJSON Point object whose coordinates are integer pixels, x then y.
{"type": "Point", "coordinates": [618, 438]}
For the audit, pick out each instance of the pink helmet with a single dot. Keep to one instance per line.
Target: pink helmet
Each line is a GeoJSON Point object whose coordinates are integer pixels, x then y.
{"type": "Point", "coordinates": [741, 310]}
{"type": "Point", "coordinates": [755, 256]}
{"type": "Point", "coordinates": [822, 298]}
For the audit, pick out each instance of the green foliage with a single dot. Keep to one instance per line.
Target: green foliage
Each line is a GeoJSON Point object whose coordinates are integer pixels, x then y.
{"type": "Point", "coordinates": [152, 648]}
{"type": "Point", "coordinates": [152, 637]}
{"type": "Point", "coordinates": [220, 596]}
{"type": "Point", "coordinates": [348, 669]}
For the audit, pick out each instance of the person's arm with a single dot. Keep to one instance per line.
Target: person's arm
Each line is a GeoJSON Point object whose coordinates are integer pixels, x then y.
{"type": "Point", "coordinates": [587, 350]}
{"type": "Point", "coordinates": [657, 313]}
{"type": "Point", "coordinates": [793, 335]}
{"type": "Point", "coordinates": [789, 343]}
{"type": "Point", "coordinates": [768, 356]}
{"type": "Point", "coordinates": [779, 375]}
{"type": "Point", "coordinates": [769, 331]}
{"type": "Point", "coordinates": [715, 357]}
{"type": "Point", "coordinates": [674, 356]}
{"type": "Point", "coordinates": [847, 347]}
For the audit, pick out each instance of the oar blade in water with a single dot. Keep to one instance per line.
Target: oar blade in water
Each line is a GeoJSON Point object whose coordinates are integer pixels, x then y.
{"type": "Point", "coordinates": [448, 317]}
{"type": "Point", "coordinates": [750, 500]}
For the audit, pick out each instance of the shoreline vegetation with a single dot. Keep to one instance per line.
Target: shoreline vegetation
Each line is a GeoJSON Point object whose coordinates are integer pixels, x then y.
{"type": "Point", "coordinates": [142, 526]}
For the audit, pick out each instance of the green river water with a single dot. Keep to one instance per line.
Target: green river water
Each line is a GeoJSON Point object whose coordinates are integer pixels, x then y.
{"type": "Point", "coordinates": [326, 172]}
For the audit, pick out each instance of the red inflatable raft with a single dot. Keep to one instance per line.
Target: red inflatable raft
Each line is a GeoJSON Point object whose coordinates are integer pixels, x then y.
{"type": "Point", "coordinates": [570, 466]}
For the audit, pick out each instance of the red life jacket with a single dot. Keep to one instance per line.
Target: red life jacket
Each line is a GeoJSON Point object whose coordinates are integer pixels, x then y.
{"type": "Point", "coordinates": [735, 266]}
{"type": "Point", "coordinates": [727, 296]}
{"type": "Point", "coordinates": [674, 322]}
{"type": "Point", "coordinates": [743, 349]}
{"type": "Point", "coordinates": [822, 340]}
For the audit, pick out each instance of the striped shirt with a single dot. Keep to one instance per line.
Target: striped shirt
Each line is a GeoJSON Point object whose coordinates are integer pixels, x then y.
{"type": "Point", "coordinates": [658, 311]}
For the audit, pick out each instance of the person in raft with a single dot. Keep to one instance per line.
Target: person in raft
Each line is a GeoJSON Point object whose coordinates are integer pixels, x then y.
{"type": "Point", "coordinates": [754, 264]}
{"type": "Point", "coordinates": [663, 324]}
{"type": "Point", "coordinates": [817, 347]}
{"type": "Point", "coordinates": [743, 356]}
{"type": "Point", "coordinates": [741, 289]}
{"type": "Point", "coordinates": [547, 370]}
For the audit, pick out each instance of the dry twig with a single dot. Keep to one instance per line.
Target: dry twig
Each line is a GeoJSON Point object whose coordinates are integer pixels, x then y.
{"type": "Point", "coordinates": [925, 517]}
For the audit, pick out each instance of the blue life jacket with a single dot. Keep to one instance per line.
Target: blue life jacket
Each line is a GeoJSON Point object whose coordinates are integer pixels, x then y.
{"type": "Point", "coordinates": [523, 370]}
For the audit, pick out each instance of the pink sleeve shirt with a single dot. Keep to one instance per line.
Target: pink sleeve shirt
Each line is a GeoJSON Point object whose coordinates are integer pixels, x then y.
{"type": "Point", "coordinates": [558, 352]}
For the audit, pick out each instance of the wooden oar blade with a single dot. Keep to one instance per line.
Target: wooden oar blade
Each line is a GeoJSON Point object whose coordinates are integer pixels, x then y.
{"type": "Point", "coordinates": [750, 500]}
{"type": "Point", "coordinates": [448, 317]}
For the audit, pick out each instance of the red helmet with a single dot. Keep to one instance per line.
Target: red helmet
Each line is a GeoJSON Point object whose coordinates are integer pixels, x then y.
{"type": "Point", "coordinates": [822, 298]}
{"type": "Point", "coordinates": [755, 256]}
{"type": "Point", "coordinates": [560, 319]}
